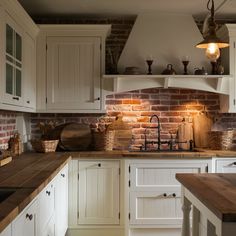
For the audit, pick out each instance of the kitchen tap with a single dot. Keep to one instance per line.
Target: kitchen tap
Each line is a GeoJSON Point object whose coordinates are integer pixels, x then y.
{"type": "Point", "coordinates": [158, 131]}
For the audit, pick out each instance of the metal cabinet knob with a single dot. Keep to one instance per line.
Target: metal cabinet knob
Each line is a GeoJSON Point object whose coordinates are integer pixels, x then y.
{"type": "Point", "coordinates": [29, 216]}
{"type": "Point", "coordinates": [48, 193]}
{"type": "Point", "coordinates": [28, 102]}
{"type": "Point", "coordinates": [174, 195]}
{"type": "Point", "coordinates": [99, 165]}
{"type": "Point", "coordinates": [63, 175]}
{"type": "Point", "coordinates": [165, 195]}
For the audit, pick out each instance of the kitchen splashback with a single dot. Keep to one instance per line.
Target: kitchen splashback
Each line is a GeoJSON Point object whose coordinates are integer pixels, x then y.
{"type": "Point", "coordinates": [171, 105]}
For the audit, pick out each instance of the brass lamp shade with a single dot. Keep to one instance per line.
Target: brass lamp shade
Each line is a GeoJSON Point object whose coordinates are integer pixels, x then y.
{"type": "Point", "coordinates": [212, 39]}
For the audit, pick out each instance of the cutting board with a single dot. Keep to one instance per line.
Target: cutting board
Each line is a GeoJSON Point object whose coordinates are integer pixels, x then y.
{"type": "Point", "coordinates": [72, 136]}
{"type": "Point", "coordinates": [185, 133]}
{"type": "Point", "coordinates": [201, 126]}
{"type": "Point", "coordinates": [5, 161]}
{"type": "Point", "coordinates": [123, 134]}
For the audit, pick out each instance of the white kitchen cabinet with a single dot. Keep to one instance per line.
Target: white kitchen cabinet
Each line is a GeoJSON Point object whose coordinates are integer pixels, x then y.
{"type": "Point", "coordinates": [18, 59]}
{"type": "Point", "coordinates": [46, 205]}
{"type": "Point", "coordinates": [61, 202]}
{"type": "Point", "coordinates": [155, 193]}
{"type": "Point", "coordinates": [98, 198]}
{"type": "Point", "coordinates": [12, 79]}
{"type": "Point", "coordinates": [7, 231]}
{"type": "Point", "coordinates": [70, 62]}
{"type": "Point", "coordinates": [29, 73]}
{"type": "Point", "coordinates": [26, 224]}
{"type": "Point", "coordinates": [49, 230]}
{"type": "Point", "coordinates": [224, 165]}
{"type": "Point", "coordinates": [73, 73]}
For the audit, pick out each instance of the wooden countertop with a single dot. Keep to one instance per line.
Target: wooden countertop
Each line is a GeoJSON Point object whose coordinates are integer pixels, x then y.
{"type": "Point", "coordinates": [28, 175]}
{"type": "Point", "coordinates": [216, 191]}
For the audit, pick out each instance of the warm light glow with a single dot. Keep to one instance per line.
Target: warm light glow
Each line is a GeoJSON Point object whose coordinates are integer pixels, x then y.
{"type": "Point", "coordinates": [213, 51]}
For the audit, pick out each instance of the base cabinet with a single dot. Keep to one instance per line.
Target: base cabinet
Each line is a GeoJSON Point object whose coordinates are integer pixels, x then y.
{"type": "Point", "coordinates": [26, 224]}
{"type": "Point", "coordinates": [98, 198]}
{"type": "Point", "coordinates": [6, 232]}
{"type": "Point", "coordinates": [61, 202]}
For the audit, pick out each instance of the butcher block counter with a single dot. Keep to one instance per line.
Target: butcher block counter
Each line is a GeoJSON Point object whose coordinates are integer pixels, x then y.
{"type": "Point", "coordinates": [212, 195]}
{"type": "Point", "coordinates": [27, 175]}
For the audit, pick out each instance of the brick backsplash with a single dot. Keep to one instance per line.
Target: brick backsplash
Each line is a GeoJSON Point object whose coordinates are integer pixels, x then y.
{"type": "Point", "coordinates": [7, 127]}
{"type": "Point", "coordinates": [136, 107]}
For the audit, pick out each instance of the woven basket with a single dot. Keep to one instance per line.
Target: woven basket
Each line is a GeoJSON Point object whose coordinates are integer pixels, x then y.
{"type": "Point", "coordinates": [221, 140]}
{"type": "Point", "coordinates": [103, 141]}
{"type": "Point", "coordinates": [44, 145]}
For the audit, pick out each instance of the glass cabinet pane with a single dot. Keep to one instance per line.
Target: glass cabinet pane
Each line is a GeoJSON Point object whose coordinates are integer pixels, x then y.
{"type": "Point", "coordinates": [18, 83]}
{"type": "Point", "coordinates": [9, 79]}
{"type": "Point", "coordinates": [18, 47]}
{"type": "Point", "coordinates": [9, 40]}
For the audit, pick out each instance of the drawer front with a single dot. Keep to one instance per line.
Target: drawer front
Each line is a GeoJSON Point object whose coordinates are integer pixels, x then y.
{"type": "Point", "coordinates": [46, 204]}
{"type": "Point", "coordinates": [226, 166]}
{"type": "Point", "coordinates": [159, 207]}
{"type": "Point", "coordinates": [150, 176]}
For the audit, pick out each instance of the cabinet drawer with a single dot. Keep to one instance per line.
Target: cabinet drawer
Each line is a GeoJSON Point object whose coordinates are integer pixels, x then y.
{"type": "Point", "coordinates": [159, 207]}
{"type": "Point", "coordinates": [156, 175]}
{"type": "Point", "coordinates": [226, 166]}
{"type": "Point", "coordinates": [46, 204]}
{"type": "Point", "coordinates": [49, 230]}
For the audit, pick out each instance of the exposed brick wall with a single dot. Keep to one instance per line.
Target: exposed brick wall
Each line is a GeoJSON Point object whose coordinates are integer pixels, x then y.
{"type": "Point", "coordinates": [136, 107]}
{"type": "Point", "coordinates": [120, 30]}
{"type": "Point", "coordinates": [7, 127]}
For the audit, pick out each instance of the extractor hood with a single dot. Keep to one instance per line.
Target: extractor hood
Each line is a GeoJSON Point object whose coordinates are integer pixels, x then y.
{"type": "Point", "coordinates": [167, 38]}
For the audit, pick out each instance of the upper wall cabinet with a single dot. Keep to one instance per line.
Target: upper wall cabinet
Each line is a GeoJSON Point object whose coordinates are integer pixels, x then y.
{"type": "Point", "coordinates": [18, 59]}
{"type": "Point", "coordinates": [228, 33]}
{"type": "Point", "coordinates": [70, 62]}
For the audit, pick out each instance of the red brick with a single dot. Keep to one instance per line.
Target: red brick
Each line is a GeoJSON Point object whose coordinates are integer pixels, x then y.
{"type": "Point", "coordinates": [169, 91]}
{"type": "Point", "coordinates": [150, 113]}
{"type": "Point", "coordinates": [171, 113]}
{"type": "Point", "coordinates": [188, 102]}
{"type": "Point", "coordinates": [178, 108]}
{"type": "Point", "coordinates": [131, 101]}
{"type": "Point", "coordinates": [169, 102]}
{"type": "Point", "coordinates": [197, 96]}
{"type": "Point", "coordinates": [141, 108]}
{"type": "Point", "coordinates": [122, 95]}
{"type": "Point", "coordinates": [113, 102]}
{"type": "Point", "coordinates": [143, 119]}
{"type": "Point", "coordinates": [198, 108]}
{"type": "Point", "coordinates": [187, 91]}
{"type": "Point", "coordinates": [140, 96]}
{"type": "Point", "coordinates": [175, 119]}
{"type": "Point", "coordinates": [180, 97]}
{"type": "Point", "coordinates": [151, 90]}
{"type": "Point", "coordinates": [151, 102]}
{"type": "Point", "coordinates": [159, 108]}
{"type": "Point", "coordinates": [212, 96]}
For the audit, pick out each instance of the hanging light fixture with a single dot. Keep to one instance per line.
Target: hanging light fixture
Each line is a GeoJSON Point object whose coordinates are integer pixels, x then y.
{"type": "Point", "coordinates": [211, 42]}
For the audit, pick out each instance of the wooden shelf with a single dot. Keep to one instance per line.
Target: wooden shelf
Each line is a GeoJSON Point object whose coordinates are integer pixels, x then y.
{"type": "Point", "coordinates": [211, 83]}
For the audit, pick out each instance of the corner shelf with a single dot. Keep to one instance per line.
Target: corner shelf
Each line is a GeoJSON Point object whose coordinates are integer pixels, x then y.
{"type": "Point", "coordinates": [211, 83]}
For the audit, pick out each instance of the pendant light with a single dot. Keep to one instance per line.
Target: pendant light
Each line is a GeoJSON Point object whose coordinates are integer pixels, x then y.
{"type": "Point", "coordinates": [211, 42]}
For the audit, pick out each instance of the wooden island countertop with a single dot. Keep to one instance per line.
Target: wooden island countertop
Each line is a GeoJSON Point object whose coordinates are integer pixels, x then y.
{"type": "Point", "coordinates": [216, 191]}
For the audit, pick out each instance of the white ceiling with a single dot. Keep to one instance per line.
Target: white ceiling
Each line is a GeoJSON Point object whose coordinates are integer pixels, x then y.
{"type": "Point", "coordinates": [125, 7]}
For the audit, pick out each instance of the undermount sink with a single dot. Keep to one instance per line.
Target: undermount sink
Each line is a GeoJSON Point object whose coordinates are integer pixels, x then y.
{"type": "Point", "coordinates": [5, 193]}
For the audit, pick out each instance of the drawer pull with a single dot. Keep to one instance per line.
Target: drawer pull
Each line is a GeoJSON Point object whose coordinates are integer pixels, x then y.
{"type": "Point", "coordinates": [48, 193]}
{"type": "Point", "coordinates": [63, 175]}
{"type": "Point", "coordinates": [15, 98]}
{"type": "Point", "coordinates": [174, 195]}
{"type": "Point", "coordinates": [234, 163]}
{"type": "Point", "coordinates": [164, 195]}
{"type": "Point", "coordinates": [99, 165]}
{"type": "Point", "coordinates": [29, 216]}
{"type": "Point", "coordinates": [28, 102]}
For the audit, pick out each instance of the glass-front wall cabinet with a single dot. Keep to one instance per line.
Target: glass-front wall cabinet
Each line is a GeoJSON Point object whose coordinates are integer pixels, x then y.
{"type": "Point", "coordinates": [13, 63]}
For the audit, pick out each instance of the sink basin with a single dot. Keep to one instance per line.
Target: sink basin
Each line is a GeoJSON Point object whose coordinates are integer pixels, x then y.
{"type": "Point", "coordinates": [5, 193]}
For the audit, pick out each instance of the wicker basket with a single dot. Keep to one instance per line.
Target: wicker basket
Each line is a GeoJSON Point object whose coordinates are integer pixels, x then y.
{"type": "Point", "coordinates": [103, 141]}
{"type": "Point", "coordinates": [221, 140]}
{"type": "Point", "coordinates": [44, 145]}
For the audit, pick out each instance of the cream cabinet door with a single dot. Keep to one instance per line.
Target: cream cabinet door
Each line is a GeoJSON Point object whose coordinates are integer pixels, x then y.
{"type": "Point", "coordinates": [98, 192]}
{"type": "Point", "coordinates": [155, 192]}
{"type": "Point", "coordinates": [29, 73]}
{"type": "Point", "coordinates": [26, 224]}
{"type": "Point", "coordinates": [73, 73]}
{"type": "Point", "coordinates": [61, 202]}
{"type": "Point", "coordinates": [227, 165]}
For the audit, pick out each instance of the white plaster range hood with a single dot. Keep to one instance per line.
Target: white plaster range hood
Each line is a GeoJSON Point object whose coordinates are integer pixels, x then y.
{"type": "Point", "coordinates": [167, 38]}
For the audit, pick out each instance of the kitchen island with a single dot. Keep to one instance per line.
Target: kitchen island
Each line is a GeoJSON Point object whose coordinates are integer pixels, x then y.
{"type": "Point", "coordinates": [212, 197]}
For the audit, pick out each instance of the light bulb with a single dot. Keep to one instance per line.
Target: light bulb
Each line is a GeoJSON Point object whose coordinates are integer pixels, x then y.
{"type": "Point", "coordinates": [213, 51]}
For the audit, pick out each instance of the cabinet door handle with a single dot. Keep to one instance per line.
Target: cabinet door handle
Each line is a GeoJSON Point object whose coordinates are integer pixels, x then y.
{"type": "Point", "coordinates": [48, 193]}
{"type": "Point", "coordinates": [29, 216]}
{"type": "Point", "coordinates": [234, 163]}
{"type": "Point", "coordinates": [174, 195]}
{"type": "Point", "coordinates": [99, 164]}
{"type": "Point", "coordinates": [28, 102]}
{"type": "Point", "coordinates": [15, 98]}
{"type": "Point", "coordinates": [63, 175]}
{"type": "Point", "coordinates": [165, 195]}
